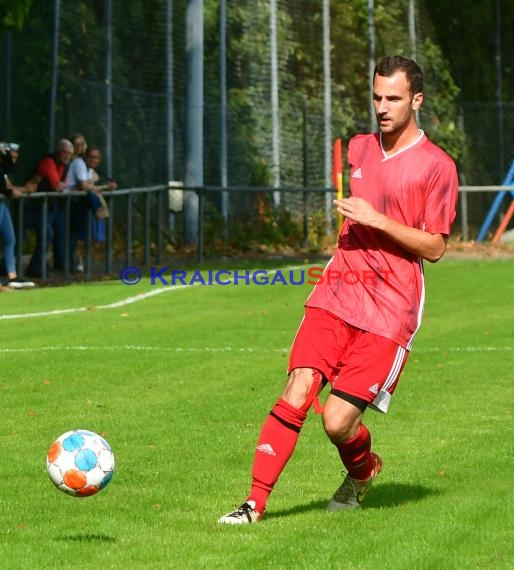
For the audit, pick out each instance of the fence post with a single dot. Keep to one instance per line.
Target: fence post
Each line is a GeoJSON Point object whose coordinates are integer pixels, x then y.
{"type": "Point", "coordinates": [44, 240]}
{"type": "Point", "coordinates": [327, 112]}
{"type": "Point", "coordinates": [162, 210]}
{"type": "Point", "coordinates": [54, 74]}
{"type": "Point", "coordinates": [88, 244]}
{"type": "Point", "coordinates": [67, 233]}
{"type": "Point", "coordinates": [194, 115]}
{"type": "Point", "coordinates": [19, 238]}
{"type": "Point", "coordinates": [128, 231]}
{"type": "Point", "coordinates": [146, 229]}
{"type": "Point", "coordinates": [464, 215]}
{"type": "Point", "coordinates": [305, 177]}
{"type": "Point", "coordinates": [201, 203]}
{"type": "Point", "coordinates": [108, 235]}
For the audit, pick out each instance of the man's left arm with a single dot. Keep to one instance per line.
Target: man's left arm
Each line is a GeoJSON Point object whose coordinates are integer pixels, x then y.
{"type": "Point", "coordinates": [430, 247]}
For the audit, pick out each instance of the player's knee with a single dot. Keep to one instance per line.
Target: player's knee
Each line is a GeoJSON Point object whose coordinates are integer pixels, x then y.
{"type": "Point", "coordinates": [339, 428]}
{"type": "Point", "coordinates": [302, 387]}
{"type": "Point", "coordinates": [336, 431]}
{"type": "Point", "coordinates": [341, 418]}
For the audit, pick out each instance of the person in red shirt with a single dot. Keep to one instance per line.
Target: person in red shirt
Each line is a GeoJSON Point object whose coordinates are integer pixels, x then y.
{"type": "Point", "coordinates": [50, 176]}
{"type": "Point", "coordinates": [361, 318]}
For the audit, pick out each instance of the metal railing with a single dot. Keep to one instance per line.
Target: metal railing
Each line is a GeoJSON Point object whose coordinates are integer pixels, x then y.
{"type": "Point", "coordinates": [155, 203]}
{"type": "Point", "coordinates": [464, 190]}
{"type": "Point", "coordinates": [151, 212]}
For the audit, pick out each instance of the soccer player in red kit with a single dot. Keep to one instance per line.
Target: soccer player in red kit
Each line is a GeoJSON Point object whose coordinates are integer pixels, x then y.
{"type": "Point", "coordinates": [361, 318]}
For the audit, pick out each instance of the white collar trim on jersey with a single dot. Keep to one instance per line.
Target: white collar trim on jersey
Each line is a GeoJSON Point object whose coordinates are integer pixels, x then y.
{"type": "Point", "coordinates": [388, 156]}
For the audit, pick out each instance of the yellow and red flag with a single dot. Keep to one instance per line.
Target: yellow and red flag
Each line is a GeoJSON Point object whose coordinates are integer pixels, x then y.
{"type": "Point", "coordinates": [337, 173]}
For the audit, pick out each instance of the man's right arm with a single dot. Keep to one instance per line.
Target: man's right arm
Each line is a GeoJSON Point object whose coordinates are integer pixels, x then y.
{"type": "Point", "coordinates": [428, 246]}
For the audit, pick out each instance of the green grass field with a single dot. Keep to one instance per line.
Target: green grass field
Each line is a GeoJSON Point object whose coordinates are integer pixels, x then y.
{"type": "Point", "coordinates": [180, 382]}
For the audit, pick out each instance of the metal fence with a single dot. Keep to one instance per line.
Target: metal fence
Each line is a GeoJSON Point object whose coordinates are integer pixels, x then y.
{"type": "Point", "coordinates": [145, 225]}
{"type": "Point", "coordinates": [117, 72]}
{"type": "Point", "coordinates": [136, 225]}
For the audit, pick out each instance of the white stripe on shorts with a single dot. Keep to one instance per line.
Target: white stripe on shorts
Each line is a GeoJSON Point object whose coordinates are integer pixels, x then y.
{"type": "Point", "coordinates": [383, 398]}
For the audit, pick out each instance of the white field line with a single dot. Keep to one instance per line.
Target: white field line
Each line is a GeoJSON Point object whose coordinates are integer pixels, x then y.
{"type": "Point", "coordinates": [226, 349]}
{"type": "Point", "coordinates": [122, 303]}
{"type": "Point", "coordinates": [129, 300]}
{"type": "Point", "coordinates": [177, 349]}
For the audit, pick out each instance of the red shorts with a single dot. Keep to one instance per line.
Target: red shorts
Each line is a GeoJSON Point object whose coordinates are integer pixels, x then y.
{"type": "Point", "coordinates": [355, 362]}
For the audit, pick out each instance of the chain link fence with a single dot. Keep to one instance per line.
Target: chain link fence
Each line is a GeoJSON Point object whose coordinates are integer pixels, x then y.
{"type": "Point", "coordinates": [122, 82]}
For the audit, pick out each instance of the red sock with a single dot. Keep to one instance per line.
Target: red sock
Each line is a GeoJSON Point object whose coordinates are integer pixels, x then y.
{"type": "Point", "coordinates": [275, 446]}
{"type": "Point", "coordinates": [356, 455]}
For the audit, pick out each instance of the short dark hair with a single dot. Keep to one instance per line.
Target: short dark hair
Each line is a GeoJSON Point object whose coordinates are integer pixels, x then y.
{"type": "Point", "coordinates": [91, 149]}
{"type": "Point", "coordinates": [390, 64]}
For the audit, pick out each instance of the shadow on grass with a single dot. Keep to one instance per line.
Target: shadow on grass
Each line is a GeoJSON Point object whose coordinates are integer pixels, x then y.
{"type": "Point", "coordinates": [396, 494]}
{"type": "Point", "coordinates": [86, 538]}
{"type": "Point", "coordinates": [388, 495]}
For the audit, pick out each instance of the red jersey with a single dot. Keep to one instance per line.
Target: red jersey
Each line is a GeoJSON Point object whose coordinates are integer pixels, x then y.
{"type": "Point", "coordinates": [50, 171]}
{"type": "Point", "coordinates": [372, 282]}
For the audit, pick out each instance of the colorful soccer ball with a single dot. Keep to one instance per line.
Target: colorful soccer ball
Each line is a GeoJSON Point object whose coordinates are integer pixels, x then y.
{"type": "Point", "coordinates": [80, 463]}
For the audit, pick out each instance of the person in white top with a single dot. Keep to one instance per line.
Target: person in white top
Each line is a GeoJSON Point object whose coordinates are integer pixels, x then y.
{"type": "Point", "coordinates": [82, 177]}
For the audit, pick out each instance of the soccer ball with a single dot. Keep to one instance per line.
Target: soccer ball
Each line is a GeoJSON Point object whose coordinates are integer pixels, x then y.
{"type": "Point", "coordinates": [80, 463]}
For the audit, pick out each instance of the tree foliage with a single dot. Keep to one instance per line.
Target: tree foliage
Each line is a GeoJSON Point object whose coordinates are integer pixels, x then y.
{"type": "Point", "coordinates": [471, 35]}
{"type": "Point", "coordinates": [13, 14]}
{"type": "Point", "coordinates": [139, 80]}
